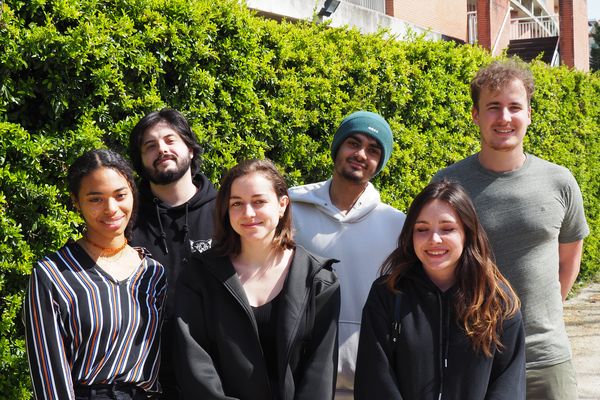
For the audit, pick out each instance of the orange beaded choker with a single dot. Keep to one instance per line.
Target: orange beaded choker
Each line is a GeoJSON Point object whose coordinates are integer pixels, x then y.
{"type": "Point", "coordinates": [107, 251]}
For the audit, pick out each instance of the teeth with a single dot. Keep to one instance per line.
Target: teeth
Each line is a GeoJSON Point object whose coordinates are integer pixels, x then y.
{"type": "Point", "coordinates": [437, 253]}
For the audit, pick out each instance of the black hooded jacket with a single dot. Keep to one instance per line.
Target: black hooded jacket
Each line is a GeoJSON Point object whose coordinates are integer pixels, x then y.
{"type": "Point", "coordinates": [218, 350]}
{"type": "Point", "coordinates": [412, 347]}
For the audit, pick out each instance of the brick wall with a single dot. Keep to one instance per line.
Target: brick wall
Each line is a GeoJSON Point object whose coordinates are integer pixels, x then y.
{"type": "Point", "coordinates": [490, 16]}
{"type": "Point", "coordinates": [448, 17]}
{"type": "Point", "coordinates": [574, 48]}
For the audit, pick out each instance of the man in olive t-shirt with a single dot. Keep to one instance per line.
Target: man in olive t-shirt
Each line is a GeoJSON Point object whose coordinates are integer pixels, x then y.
{"type": "Point", "coordinates": [532, 211]}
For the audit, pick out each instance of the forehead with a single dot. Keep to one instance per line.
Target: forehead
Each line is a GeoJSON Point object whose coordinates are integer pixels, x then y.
{"type": "Point", "coordinates": [254, 183]}
{"type": "Point", "coordinates": [437, 210]}
{"type": "Point", "coordinates": [512, 91]}
{"type": "Point", "coordinates": [103, 180]}
{"type": "Point", "coordinates": [159, 131]}
{"type": "Point", "coordinates": [363, 138]}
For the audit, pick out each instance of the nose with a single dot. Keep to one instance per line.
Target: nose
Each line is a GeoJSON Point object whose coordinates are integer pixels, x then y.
{"type": "Point", "coordinates": [162, 146]}
{"type": "Point", "coordinates": [505, 114]}
{"type": "Point", "coordinates": [111, 206]}
{"type": "Point", "coordinates": [361, 153]}
{"type": "Point", "coordinates": [249, 210]}
{"type": "Point", "coordinates": [435, 237]}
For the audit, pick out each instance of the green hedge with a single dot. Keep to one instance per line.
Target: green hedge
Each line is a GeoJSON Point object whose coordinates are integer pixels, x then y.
{"type": "Point", "coordinates": [78, 74]}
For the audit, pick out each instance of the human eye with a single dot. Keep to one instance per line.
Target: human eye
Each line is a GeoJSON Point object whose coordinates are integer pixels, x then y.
{"type": "Point", "coordinates": [148, 147]}
{"type": "Point", "coordinates": [94, 199]}
{"type": "Point", "coordinates": [374, 151]}
{"type": "Point", "coordinates": [235, 204]}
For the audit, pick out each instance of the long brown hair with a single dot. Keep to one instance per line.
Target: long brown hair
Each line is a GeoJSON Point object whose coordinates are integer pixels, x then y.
{"type": "Point", "coordinates": [484, 298]}
{"type": "Point", "coordinates": [226, 238]}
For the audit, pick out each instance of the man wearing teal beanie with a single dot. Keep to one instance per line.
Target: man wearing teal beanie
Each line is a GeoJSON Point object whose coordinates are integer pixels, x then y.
{"type": "Point", "coordinates": [370, 124]}
{"type": "Point", "coordinates": [344, 218]}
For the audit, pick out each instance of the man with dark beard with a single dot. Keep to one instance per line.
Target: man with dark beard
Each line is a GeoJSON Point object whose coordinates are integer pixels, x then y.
{"type": "Point", "coordinates": [176, 207]}
{"type": "Point", "coordinates": [344, 218]}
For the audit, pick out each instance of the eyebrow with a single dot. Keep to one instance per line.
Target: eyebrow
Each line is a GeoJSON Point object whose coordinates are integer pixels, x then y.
{"type": "Point", "coordinates": [168, 135]}
{"type": "Point", "coordinates": [92, 193]}
{"type": "Point", "coordinates": [370, 141]}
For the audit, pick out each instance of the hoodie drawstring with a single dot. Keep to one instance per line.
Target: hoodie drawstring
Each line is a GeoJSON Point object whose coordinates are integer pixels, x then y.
{"type": "Point", "coordinates": [163, 235]}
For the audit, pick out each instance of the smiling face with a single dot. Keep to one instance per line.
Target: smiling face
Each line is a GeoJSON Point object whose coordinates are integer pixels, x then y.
{"type": "Point", "coordinates": [503, 116]}
{"type": "Point", "coordinates": [105, 201]}
{"type": "Point", "coordinates": [254, 209]}
{"type": "Point", "coordinates": [438, 240]}
{"type": "Point", "coordinates": [165, 156]}
{"type": "Point", "coordinates": [357, 158]}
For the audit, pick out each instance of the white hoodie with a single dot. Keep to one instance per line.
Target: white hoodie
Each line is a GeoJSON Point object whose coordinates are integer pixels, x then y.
{"type": "Point", "coordinates": [361, 239]}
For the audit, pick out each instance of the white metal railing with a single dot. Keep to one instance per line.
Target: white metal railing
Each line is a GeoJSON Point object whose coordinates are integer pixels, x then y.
{"type": "Point", "coordinates": [532, 7]}
{"type": "Point", "coordinates": [536, 27]}
{"type": "Point", "coordinates": [376, 5]}
{"type": "Point", "coordinates": [472, 26]}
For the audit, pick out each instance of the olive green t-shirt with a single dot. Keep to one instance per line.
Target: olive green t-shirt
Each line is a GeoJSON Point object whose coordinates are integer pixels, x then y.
{"type": "Point", "coordinates": [526, 213]}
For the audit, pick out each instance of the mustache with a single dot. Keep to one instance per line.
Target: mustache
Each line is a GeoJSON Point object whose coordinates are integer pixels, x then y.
{"type": "Point", "coordinates": [164, 157]}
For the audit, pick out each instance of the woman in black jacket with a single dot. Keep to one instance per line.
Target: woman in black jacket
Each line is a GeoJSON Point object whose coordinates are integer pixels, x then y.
{"type": "Point", "coordinates": [256, 314]}
{"type": "Point", "coordinates": [441, 322]}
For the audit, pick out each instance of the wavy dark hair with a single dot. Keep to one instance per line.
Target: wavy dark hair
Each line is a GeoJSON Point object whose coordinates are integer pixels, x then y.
{"type": "Point", "coordinates": [95, 159]}
{"type": "Point", "coordinates": [484, 298]}
{"type": "Point", "coordinates": [176, 121]}
{"type": "Point", "coordinates": [226, 238]}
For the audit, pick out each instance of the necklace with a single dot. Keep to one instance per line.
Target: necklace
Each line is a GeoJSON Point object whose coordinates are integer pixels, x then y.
{"type": "Point", "coordinates": [107, 251]}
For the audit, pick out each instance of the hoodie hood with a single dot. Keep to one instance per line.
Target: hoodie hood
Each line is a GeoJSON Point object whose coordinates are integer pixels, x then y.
{"type": "Point", "coordinates": [157, 217]}
{"type": "Point", "coordinates": [317, 194]}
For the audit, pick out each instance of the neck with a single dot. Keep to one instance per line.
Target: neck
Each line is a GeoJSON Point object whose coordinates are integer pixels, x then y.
{"type": "Point", "coordinates": [498, 161]}
{"type": "Point", "coordinates": [175, 193]}
{"type": "Point", "coordinates": [344, 193]}
{"type": "Point", "coordinates": [443, 282]}
{"type": "Point", "coordinates": [106, 247]}
{"type": "Point", "coordinates": [258, 256]}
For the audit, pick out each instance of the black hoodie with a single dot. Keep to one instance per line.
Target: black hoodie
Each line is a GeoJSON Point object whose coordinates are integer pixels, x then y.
{"type": "Point", "coordinates": [172, 235]}
{"type": "Point", "coordinates": [415, 348]}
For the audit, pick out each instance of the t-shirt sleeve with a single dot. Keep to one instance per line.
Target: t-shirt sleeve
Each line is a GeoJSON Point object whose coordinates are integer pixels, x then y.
{"type": "Point", "coordinates": [574, 226]}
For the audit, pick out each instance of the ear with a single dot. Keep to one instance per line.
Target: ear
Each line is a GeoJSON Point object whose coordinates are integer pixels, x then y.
{"type": "Point", "coordinates": [75, 202]}
{"type": "Point", "coordinates": [475, 115]}
{"type": "Point", "coordinates": [284, 202]}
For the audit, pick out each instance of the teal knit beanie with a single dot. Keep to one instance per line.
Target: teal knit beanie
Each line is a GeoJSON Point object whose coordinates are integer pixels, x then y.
{"type": "Point", "coordinates": [370, 124]}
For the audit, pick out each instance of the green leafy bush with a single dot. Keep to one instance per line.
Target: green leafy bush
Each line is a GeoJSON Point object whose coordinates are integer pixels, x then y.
{"type": "Point", "coordinates": [78, 74]}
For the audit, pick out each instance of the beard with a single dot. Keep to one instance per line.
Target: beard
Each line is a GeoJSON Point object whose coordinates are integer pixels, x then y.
{"type": "Point", "coordinates": [182, 165]}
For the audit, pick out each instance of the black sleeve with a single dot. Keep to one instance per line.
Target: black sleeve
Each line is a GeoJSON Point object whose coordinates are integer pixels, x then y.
{"type": "Point", "coordinates": [507, 380]}
{"type": "Point", "coordinates": [196, 374]}
{"type": "Point", "coordinates": [320, 369]}
{"type": "Point", "coordinates": [374, 378]}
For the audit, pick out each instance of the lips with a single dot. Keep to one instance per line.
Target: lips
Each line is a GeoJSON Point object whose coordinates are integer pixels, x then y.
{"type": "Point", "coordinates": [163, 159]}
{"type": "Point", "coordinates": [356, 164]}
{"type": "Point", "coordinates": [436, 253]}
{"type": "Point", "coordinates": [113, 222]}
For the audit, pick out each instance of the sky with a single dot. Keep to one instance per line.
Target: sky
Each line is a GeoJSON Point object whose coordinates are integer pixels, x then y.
{"type": "Point", "coordinates": [593, 9]}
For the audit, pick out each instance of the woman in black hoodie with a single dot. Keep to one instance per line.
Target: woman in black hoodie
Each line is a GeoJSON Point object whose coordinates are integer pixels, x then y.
{"type": "Point", "coordinates": [441, 322]}
{"type": "Point", "coordinates": [256, 314]}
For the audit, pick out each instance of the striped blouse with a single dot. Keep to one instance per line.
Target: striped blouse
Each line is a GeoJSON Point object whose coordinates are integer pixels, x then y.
{"type": "Point", "coordinates": [84, 328]}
